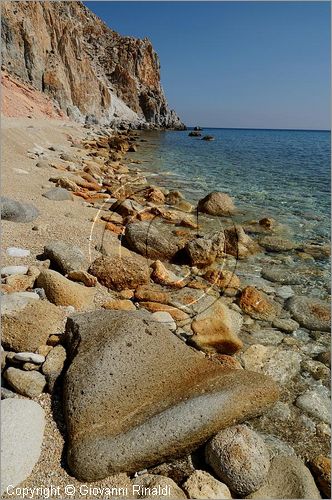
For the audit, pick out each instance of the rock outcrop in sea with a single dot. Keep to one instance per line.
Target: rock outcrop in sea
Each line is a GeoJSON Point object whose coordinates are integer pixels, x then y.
{"type": "Point", "coordinates": [92, 72]}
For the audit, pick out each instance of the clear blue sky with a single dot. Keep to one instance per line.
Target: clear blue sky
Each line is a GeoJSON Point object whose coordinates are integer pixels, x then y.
{"type": "Point", "coordinates": [236, 64]}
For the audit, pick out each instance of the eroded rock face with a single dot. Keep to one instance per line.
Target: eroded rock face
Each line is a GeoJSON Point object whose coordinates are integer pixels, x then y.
{"type": "Point", "coordinates": [110, 408]}
{"type": "Point", "coordinates": [94, 73]}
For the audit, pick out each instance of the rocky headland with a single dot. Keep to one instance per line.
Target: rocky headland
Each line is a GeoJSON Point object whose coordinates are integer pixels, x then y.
{"type": "Point", "coordinates": [141, 350]}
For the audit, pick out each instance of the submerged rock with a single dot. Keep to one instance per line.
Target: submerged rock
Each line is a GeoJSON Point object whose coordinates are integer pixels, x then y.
{"type": "Point", "coordinates": [257, 305]}
{"type": "Point", "coordinates": [17, 211]}
{"type": "Point", "coordinates": [131, 389]}
{"type": "Point", "coordinates": [22, 430]}
{"type": "Point", "coordinates": [217, 203]}
{"type": "Point", "coordinates": [311, 313]}
{"type": "Point", "coordinates": [239, 244]}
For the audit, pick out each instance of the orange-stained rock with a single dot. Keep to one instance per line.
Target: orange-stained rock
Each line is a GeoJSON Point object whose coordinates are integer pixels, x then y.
{"type": "Point", "coordinates": [222, 278]}
{"type": "Point", "coordinates": [120, 305]}
{"type": "Point", "coordinates": [176, 313]}
{"type": "Point", "coordinates": [321, 469]}
{"type": "Point", "coordinates": [257, 305]}
{"type": "Point", "coordinates": [151, 293]}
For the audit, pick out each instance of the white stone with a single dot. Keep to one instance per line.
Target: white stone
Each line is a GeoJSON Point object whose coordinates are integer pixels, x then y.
{"type": "Point", "coordinates": [317, 403]}
{"type": "Point", "coordinates": [11, 270]}
{"type": "Point", "coordinates": [22, 430]}
{"type": "Point", "coordinates": [165, 318]}
{"type": "Point", "coordinates": [285, 292]}
{"type": "Point", "coordinates": [18, 252]}
{"type": "Point", "coordinates": [13, 302]}
{"type": "Point", "coordinates": [30, 357]}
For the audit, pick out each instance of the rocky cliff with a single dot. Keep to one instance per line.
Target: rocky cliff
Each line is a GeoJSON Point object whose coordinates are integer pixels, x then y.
{"type": "Point", "coordinates": [92, 72]}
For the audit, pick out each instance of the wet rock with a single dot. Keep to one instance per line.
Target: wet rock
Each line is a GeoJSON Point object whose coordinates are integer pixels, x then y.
{"type": "Point", "coordinates": [120, 305]}
{"type": "Point", "coordinates": [204, 251]}
{"type": "Point", "coordinates": [27, 383]}
{"type": "Point", "coordinates": [257, 305]}
{"type": "Point", "coordinates": [217, 203]}
{"type": "Point", "coordinates": [150, 486]}
{"type": "Point", "coordinates": [154, 241]}
{"type": "Point", "coordinates": [277, 244]}
{"type": "Point", "coordinates": [58, 194]}
{"type": "Point", "coordinates": [135, 365]}
{"type": "Point", "coordinates": [216, 329]}
{"type": "Point", "coordinates": [239, 244]}
{"type": "Point", "coordinates": [286, 325]}
{"type": "Point", "coordinates": [64, 292]}
{"type": "Point", "coordinates": [320, 467]}
{"type": "Point", "coordinates": [288, 478]}
{"type": "Point", "coordinates": [174, 197]}
{"type": "Point", "coordinates": [17, 211]}
{"type": "Point", "coordinates": [240, 458]}
{"type": "Point", "coordinates": [208, 138]}
{"type": "Point", "coordinates": [22, 430]}
{"type": "Point", "coordinates": [318, 251]}
{"type": "Point", "coordinates": [202, 485]}
{"type": "Point", "coordinates": [53, 365]}
{"type": "Point", "coordinates": [26, 329]}
{"type": "Point", "coordinates": [311, 313]}
{"type": "Point", "coordinates": [65, 256]}
{"type": "Point", "coordinates": [316, 402]}
{"type": "Point", "coordinates": [223, 279]}
{"type": "Point", "coordinates": [267, 222]}
{"type": "Point", "coordinates": [285, 292]}
{"type": "Point", "coordinates": [282, 275]}
{"type": "Point", "coordinates": [119, 273]}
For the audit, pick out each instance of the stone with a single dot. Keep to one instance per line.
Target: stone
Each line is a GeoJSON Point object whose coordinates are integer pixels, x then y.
{"type": "Point", "coordinates": [127, 207]}
{"type": "Point", "coordinates": [53, 365]}
{"type": "Point", "coordinates": [6, 393]}
{"type": "Point", "coordinates": [29, 357]}
{"type": "Point", "coordinates": [121, 272]}
{"type": "Point", "coordinates": [257, 305]}
{"type": "Point", "coordinates": [16, 211]}
{"type": "Point", "coordinates": [277, 244]}
{"type": "Point", "coordinates": [63, 292]}
{"type": "Point", "coordinates": [285, 292]}
{"type": "Point", "coordinates": [14, 302]}
{"type": "Point", "coordinates": [239, 244]}
{"type": "Point", "coordinates": [325, 357]}
{"type": "Point", "coordinates": [240, 458]}
{"type": "Point", "coordinates": [13, 270]}
{"type": "Point", "coordinates": [165, 318]}
{"type": "Point", "coordinates": [83, 277]}
{"type": "Point", "coordinates": [152, 486]}
{"type": "Point", "coordinates": [216, 329]}
{"type": "Point", "coordinates": [275, 445]}
{"type": "Point", "coordinates": [318, 251]}
{"type": "Point", "coordinates": [151, 293]}
{"type": "Point", "coordinates": [131, 388]}
{"type": "Point", "coordinates": [22, 431]}
{"type": "Point", "coordinates": [26, 383]}
{"type": "Point", "coordinates": [18, 252]}
{"type": "Point", "coordinates": [320, 467]}
{"type": "Point", "coordinates": [202, 485]}
{"type": "Point", "coordinates": [317, 403]}
{"type": "Point", "coordinates": [58, 194]}
{"type": "Point", "coordinates": [288, 478]}
{"type": "Point", "coordinates": [226, 361]}
{"type": "Point", "coordinates": [285, 324]}
{"type": "Point", "coordinates": [316, 369]}
{"type": "Point", "coordinates": [204, 251]}
{"type": "Point", "coordinates": [42, 164]}
{"type": "Point", "coordinates": [178, 469]}
{"type": "Point", "coordinates": [217, 203]}
{"type": "Point", "coordinates": [223, 279]}
{"type": "Point", "coordinates": [311, 313]}
{"type": "Point", "coordinates": [162, 275]}
{"type": "Point", "coordinates": [176, 313]}
{"type": "Point", "coordinates": [21, 282]}
{"type": "Point", "coordinates": [267, 222]}
{"type": "Point", "coordinates": [174, 197]}
{"type": "Point", "coordinates": [281, 275]}
{"type": "Point", "coordinates": [120, 305]}
{"type": "Point", "coordinates": [28, 328]}
{"type": "Point", "coordinates": [65, 256]}
{"type": "Point", "coordinates": [152, 240]}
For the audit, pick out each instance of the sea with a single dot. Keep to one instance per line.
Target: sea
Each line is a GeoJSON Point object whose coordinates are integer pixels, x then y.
{"type": "Point", "coordinates": [283, 174]}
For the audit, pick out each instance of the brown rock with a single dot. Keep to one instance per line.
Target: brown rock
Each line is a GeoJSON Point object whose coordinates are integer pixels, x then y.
{"type": "Point", "coordinates": [216, 328]}
{"type": "Point", "coordinates": [239, 244]}
{"type": "Point", "coordinates": [119, 273]}
{"type": "Point", "coordinates": [222, 278]}
{"type": "Point", "coordinates": [64, 292]}
{"type": "Point", "coordinates": [126, 293]}
{"type": "Point", "coordinates": [267, 222]}
{"type": "Point", "coordinates": [204, 251]}
{"type": "Point", "coordinates": [217, 203]}
{"type": "Point", "coordinates": [320, 467]}
{"type": "Point", "coordinates": [176, 313]}
{"type": "Point", "coordinates": [165, 277]}
{"type": "Point", "coordinates": [53, 365]}
{"type": "Point", "coordinates": [257, 305]}
{"type": "Point", "coordinates": [120, 305]}
{"type": "Point", "coordinates": [227, 362]}
{"type": "Point", "coordinates": [155, 195]}
{"type": "Point", "coordinates": [29, 328]}
{"type": "Point", "coordinates": [151, 293]}
{"type": "Point", "coordinates": [82, 276]}
{"type": "Point", "coordinates": [27, 383]}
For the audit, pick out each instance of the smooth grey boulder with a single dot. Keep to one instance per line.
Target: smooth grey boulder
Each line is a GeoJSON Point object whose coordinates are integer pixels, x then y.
{"type": "Point", "coordinates": [135, 395]}
{"type": "Point", "coordinates": [152, 240]}
{"type": "Point", "coordinates": [288, 478]}
{"type": "Point", "coordinates": [58, 194]}
{"type": "Point", "coordinates": [311, 313]}
{"type": "Point", "coordinates": [22, 430]}
{"type": "Point", "coordinates": [65, 256]}
{"type": "Point", "coordinates": [17, 211]}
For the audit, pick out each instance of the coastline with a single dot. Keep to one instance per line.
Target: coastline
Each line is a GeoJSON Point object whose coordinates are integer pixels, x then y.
{"type": "Point", "coordinates": [292, 361]}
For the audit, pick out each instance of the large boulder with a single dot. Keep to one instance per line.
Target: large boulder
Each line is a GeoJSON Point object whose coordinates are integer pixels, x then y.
{"type": "Point", "coordinates": [288, 478]}
{"type": "Point", "coordinates": [65, 256]}
{"type": "Point", "coordinates": [311, 313]}
{"type": "Point", "coordinates": [17, 211]}
{"type": "Point", "coordinates": [123, 385]}
{"type": "Point", "coordinates": [216, 328]}
{"type": "Point", "coordinates": [64, 292]}
{"type": "Point", "coordinates": [119, 273]}
{"type": "Point", "coordinates": [240, 458]}
{"type": "Point", "coordinates": [22, 430]}
{"type": "Point", "coordinates": [152, 240]}
{"type": "Point", "coordinates": [217, 203]}
{"type": "Point", "coordinates": [25, 329]}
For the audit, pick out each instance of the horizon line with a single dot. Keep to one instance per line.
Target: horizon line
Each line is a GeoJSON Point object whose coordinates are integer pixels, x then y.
{"type": "Point", "coordinates": [263, 128]}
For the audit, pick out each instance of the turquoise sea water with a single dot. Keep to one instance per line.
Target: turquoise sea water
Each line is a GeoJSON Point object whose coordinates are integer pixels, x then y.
{"type": "Point", "coordinates": [278, 173]}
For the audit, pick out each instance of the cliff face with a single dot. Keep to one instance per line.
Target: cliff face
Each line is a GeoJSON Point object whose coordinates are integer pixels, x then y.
{"type": "Point", "coordinates": [63, 49]}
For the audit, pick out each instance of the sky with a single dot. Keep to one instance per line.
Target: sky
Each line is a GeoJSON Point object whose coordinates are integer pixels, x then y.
{"type": "Point", "coordinates": [236, 64]}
